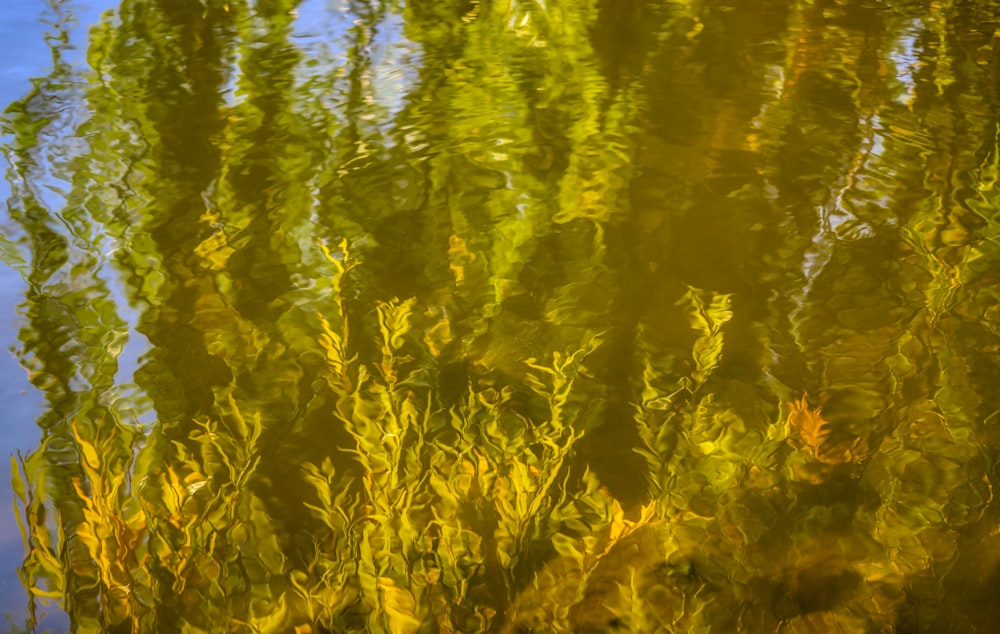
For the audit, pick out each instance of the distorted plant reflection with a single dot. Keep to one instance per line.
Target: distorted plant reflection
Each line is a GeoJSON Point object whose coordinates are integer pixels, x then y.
{"type": "Point", "coordinates": [566, 316]}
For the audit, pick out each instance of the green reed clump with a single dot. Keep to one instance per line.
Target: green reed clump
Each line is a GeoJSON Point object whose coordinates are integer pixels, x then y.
{"type": "Point", "coordinates": [454, 501]}
{"type": "Point", "coordinates": [469, 515]}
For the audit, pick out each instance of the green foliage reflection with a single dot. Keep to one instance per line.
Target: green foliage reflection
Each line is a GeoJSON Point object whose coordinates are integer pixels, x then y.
{"type": "Point", "coordinates": [564, 316]}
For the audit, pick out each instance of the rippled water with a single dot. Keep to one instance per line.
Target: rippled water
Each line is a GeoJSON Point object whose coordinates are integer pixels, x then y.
{"type": "Point", "coordinates": [521, 316]}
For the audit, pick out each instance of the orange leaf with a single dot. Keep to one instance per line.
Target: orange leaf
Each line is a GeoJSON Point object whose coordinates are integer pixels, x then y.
{"type": "Point", "coordinates": [809, 424]}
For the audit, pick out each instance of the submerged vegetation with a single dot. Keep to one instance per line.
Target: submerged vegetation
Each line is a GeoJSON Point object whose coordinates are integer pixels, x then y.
{"type": "Point", "coordinates": [567, 316]}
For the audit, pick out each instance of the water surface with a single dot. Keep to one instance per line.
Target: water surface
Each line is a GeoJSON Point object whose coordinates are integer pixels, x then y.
{"type": "Point", "coordinates": [564, 316]}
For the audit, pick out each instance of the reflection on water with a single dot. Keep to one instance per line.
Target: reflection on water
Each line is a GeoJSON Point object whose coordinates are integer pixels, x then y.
{"type": "Point", "coordinates": [512, 317]}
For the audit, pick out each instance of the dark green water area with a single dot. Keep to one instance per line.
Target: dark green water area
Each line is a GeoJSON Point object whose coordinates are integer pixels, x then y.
{"type": "Point", "coordinates": [509, 316]}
